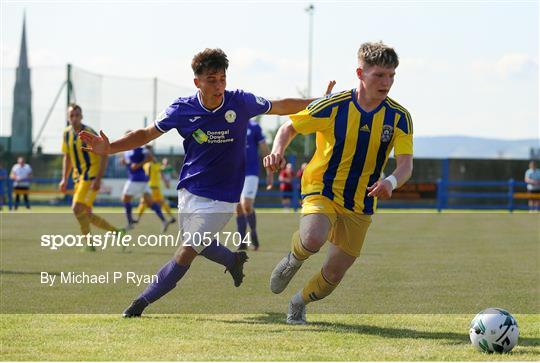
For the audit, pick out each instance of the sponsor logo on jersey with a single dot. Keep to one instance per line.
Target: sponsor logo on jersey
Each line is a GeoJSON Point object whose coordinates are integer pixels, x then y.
{"type": "Point", "coordinates": [212, 137]}
{"type": "Point", "coordinates": [199, 136]}
{"type": "Point", "coordinates": [194, 118]}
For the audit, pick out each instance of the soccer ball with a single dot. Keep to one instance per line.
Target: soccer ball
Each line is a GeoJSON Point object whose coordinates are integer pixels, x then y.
{"type": "Point", "coordinates": [494, 330]}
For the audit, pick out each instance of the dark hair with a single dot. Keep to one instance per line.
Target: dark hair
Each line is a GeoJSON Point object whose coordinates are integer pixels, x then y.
{"type": "Point", "coordinates": [75, 106]}
{"type": "Point", "coordinates": [209, 60]}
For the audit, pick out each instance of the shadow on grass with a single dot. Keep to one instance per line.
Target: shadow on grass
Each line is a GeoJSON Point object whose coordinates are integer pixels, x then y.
{"type": "Point", "coordinates": [386, 332]}
{"type": "Point", "coordinates": [8, 272]}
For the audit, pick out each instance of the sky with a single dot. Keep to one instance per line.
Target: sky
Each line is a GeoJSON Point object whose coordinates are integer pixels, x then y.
{"type": "Point", "coordinates": [466, 67]}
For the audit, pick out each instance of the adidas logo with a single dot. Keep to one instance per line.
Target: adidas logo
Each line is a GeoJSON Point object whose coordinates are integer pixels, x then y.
{"type": "Point", "coordinates": [365, 128]}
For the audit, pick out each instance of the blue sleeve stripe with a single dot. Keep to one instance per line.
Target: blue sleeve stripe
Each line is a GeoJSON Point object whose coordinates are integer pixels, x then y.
{"type": "Point", "coordinates": [326, 102]}
{"type": "Point", "coordinates": [405, 122]}
{"type": "Point", "coordinates": [320, 101]}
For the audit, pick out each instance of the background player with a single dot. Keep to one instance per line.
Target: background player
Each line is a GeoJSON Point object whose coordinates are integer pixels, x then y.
{"type": "Point", "coordinates": [245, 213]}
{"type": "Point", "coordinates": [532, 178]}
{"type": "Point", "coordinates": [167, 171]}
{"type": "Point", "coordinates": [356, 131]}
{"type": "Point", "coordinates": [213, 123]}
{"type": "Point", "coordinates": [154, 172]}
{"type": "Point", "coordinates": [86, 169]}
{"type": "Point", "coordinates": [136, 186]}
{"type": "Point", "coordinates": [21, 174]}
{"type": "Point", "coordinates": [286, 185]}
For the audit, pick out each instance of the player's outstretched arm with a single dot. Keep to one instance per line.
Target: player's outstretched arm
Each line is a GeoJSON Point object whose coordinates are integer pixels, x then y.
{"type": "Point", "coordinates": [276, 159]}
{"type": "Point", "coordinates": [101, 145]}
{"type": "Point", "coordinates": [383, 188]}
{"type": "Point", "coordinates": [289, 106]}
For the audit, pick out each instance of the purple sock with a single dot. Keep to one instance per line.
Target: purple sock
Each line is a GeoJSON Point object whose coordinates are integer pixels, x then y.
{"type": "Point", "coordinates": [252, 221]}
{"type": "Point", "coordinates": [127, 207]}
{"type": "Point", "coordinates": [241, 224]}
{"type": "Point", "coordinates": [220, 254]}
{"type": "Point", "coordinates": [168, 276]}
{"type": "Point", "coordinates": [156, 208]}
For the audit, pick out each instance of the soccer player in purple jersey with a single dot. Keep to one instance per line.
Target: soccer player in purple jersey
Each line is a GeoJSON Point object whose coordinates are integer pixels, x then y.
{"type": "Point", "coordinates": [213, 123]}
{"type": "Point", "coordinates": [136, 186]}
{"type": "Point", "coordinates": [245, 213]}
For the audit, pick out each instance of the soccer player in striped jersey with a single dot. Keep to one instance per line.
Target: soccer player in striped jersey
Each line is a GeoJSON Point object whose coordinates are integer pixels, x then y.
{"type": "Point", "coordinates": [154, 172]}
{"type": "Point", "coordinates": [86, 169]}
{"type": "Point", "coordinates": [356, 130]}
{"type": "Point", "coordinates": [137, 186]}
{"type": "Point", "coordinates": [213, 123]}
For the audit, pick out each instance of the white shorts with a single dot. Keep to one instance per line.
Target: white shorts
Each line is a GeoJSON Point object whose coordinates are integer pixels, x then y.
{"type": "Point", "coordinates": [251, 184]}
{"type": "Point", "coordinates": [201, 218]}
{"type": "Point", "coordinates": [136, 189]}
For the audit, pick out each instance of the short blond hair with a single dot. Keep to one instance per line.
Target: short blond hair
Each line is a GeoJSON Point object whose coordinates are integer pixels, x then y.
{"type": "Point", "coordinates": [377, 54]}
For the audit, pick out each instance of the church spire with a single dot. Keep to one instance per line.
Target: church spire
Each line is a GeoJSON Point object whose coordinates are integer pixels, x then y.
{"type": "Point", "coordinates": [23, 56]}
{"type": "Point", "coordinates": [21, 119]}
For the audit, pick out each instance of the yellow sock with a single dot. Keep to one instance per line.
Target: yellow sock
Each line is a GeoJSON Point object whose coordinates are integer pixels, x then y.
{"type": "Point", "coordinates": [298, 249]}
{"type": "Point", "coordinates": [84, 222]}
{"type": "Point", "coordinates": [166, 208]}
{"type": "Point", "coordinates": [140, 210]}
{"type": "Point", "coordinates": [101, 223]}
{"type": "Point", "coordinates": [317, 288]}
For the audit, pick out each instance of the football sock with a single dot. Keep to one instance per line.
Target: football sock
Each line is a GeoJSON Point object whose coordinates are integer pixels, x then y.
{"type": "Point", "coordinates": [156, 208]}
{"type": "Point", "coordinates": [101, 223]}
{"type": "Point", "coordinates": [166, 208]}
{"type": "Point", "coordinates": [252, 221]}
{"type": "Point", "coordinates": [168, 276]}
{"type": "Point", "coordinates": [241, 225]}
{"type": "Point", "coordinates": [127, 207]}
{"type": "Point", "coordinates": [140, 210]}
{"type": "Point", "coordinates": [219, 254]}
{"type": "Point", "coordinates": [298, 250]}
{"type": "Point", "coordinates": [317, 288]}
{"type": "Point", "coordinates": [84, 222]}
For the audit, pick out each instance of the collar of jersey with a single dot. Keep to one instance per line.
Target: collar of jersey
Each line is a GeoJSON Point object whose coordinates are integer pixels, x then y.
{"type": "Point", "coordinates": [207, 110]}
{"type": "Point", "coordinates": [362, 111]}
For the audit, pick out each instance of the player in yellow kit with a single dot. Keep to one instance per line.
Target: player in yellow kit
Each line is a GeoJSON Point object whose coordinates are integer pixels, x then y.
{"type": "Point", "coordinates": [86, 169]}
{"type": "Point", "coordinates": [355, 132]}
{"type": "Point", "coordinates": [153, 169]}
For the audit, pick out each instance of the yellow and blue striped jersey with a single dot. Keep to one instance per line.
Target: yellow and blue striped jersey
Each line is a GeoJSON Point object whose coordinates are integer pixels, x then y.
{"type": "Point", "coordinates": [153, 170]}
{"type": "Point", "coordinates": [85, 164]}
{"type": "Point", "coordinates": [352, 146]}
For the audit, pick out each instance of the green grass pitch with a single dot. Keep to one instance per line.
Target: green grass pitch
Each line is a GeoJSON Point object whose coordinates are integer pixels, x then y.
{"type": "Point", "coordinates": [411, 295]}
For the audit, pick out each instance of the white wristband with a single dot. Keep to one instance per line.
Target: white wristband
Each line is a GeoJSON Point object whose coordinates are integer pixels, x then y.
{"type": "Point", "coordinates": [392, 179]}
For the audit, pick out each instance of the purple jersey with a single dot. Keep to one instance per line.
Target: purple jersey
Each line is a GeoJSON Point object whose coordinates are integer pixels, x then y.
{"type": "Point", "coordinates": [214, 142]}
{"type": "Point", "coordinates": [254, 138]}
{"type": "Point", "coordinates": [135, 156]}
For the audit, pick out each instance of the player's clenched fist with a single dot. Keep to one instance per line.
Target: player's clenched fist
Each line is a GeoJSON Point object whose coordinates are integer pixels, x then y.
{"type": "Point", "coordinates": [274, 162]}
{"type": "Point", "coordinates": [97, 144]}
